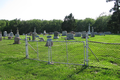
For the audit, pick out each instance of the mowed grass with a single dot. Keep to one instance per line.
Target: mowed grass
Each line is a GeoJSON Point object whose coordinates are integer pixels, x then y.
{"type": "Point", "coordinates": [14, 65]}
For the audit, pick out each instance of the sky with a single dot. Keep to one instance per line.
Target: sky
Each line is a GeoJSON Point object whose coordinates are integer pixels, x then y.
{"type": "Point", "coordinates": [53, 9]}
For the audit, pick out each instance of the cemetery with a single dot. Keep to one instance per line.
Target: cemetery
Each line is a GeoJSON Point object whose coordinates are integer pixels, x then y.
{"type": "Point", "coordinates": [39, 41]}
{"type": "Point", "coordinates": [39, 49]}
{"type": "Point", "coordinates": [82, 49]}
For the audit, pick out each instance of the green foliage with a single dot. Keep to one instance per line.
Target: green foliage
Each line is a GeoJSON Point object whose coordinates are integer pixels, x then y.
{"type": "Point", "coordinates": [113, 24]}
{"type": "Point", "coordinates": [100, 24]}
{"type": "Point", "coordinates": [69, 23]}
{"type": "Point", "coordinates": [116, 5]}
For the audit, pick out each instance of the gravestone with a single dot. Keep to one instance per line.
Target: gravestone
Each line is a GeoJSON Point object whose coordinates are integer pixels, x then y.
{"type": "Point", "coordinates": [17, 38]}
{"type": "Point", "coordinates": [34, 34]}
{"type": "Point", "coordinates": [95, 33]}
{"type": "Point", "coordinates": [89, 30]}
{"type": "Point", "coordinates": [64, 33]}
{"type": "Point", "coordinates": [77, 34]}
{"type": "Point", "coordinates": [5, 33]}
{"type": "Point", "coordinates": [44, 32]}
{"type": "Point", "coordinates": [92, 33]}
{"type": "Point", "coordinates": [17, 31]}
{"type": "Point", "coordinates": [70, 36]}
{"type": "Point", "coordinates": [108, 32]}
{"type": "Point", "coordinates": [0, 36]}
{"type": "Point", "coordinates": [41, 39]}
{"type": "Point", "coordinates": [56, 35]}
{"type": "Point", "coordinates": [84, 34]}
{"type": "Point", "coordinates": [10, 35]}
{"type": "Point", "coordinates": [101, 33]}
{"type": "Point", "coordinates": [72, 32]}
{"type": "Point", "coordinates": [16, 35]}
{"type": "Point", "coordinates": [49, 41]}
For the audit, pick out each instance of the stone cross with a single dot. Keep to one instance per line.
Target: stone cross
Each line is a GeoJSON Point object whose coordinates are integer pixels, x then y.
{"type": "Point", "coordinates": [17, 31]}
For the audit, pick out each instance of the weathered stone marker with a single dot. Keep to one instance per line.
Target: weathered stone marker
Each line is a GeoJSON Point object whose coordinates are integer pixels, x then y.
{"type": "Point", "coordinates": [64, 33]}
{"type": "Point", "coordinates": [56, 35]}
{"type": "Point", "coordinates": [49, 41]}
{"type": "Point", "coordinates": [70, 36]}
{"type": "Point", "coordinates": [92, 33]}
{"type": "Point", "coordinates": [0, 36]}
{"type": "Point", "coordinates": [17, 38]}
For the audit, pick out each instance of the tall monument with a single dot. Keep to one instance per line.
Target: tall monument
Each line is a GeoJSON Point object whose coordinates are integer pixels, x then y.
{"type": "Point", "coordinates": [89, 30]}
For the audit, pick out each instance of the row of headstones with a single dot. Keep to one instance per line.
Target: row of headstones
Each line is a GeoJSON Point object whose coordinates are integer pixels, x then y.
{"type": "Point", "coordinates": [64, 33]}
{"type": "Point", "coordinates": [77, 34]}
{"type": "Point", "coordinates": [10, 36]}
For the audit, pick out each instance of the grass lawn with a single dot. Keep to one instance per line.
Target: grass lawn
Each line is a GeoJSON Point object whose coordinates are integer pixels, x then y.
{"type": "Point", "coordinates": [14, 65]}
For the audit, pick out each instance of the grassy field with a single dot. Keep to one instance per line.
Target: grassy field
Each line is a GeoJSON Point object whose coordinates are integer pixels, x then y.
{"type": "Point", "coordinates": [14, 65]}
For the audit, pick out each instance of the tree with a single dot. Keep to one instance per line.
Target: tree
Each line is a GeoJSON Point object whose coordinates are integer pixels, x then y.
{"type": "Point", "coordinates": [69, 23]}
{"type": "Point", "coordinates": [115, 18]}
{"type": "Point", "coordinates": [100, 24]}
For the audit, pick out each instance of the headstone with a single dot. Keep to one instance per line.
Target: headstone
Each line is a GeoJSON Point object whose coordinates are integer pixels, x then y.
{"type": "Point", "coordinates": [89, 30]}
{"type": "Point", "coordinates": [101, 33]}
{"type": "Point", "coordinates": [17, 31]}
{"type": "Point", "coordinates": [16, 35]}
{"type": "Point", "coordinates": [77, 34]}
{"type": "Point", "coordinates": [56, 35]}
{"type": "Point", "coordinates": [92, 33]}
{"type": "Point", "coordinates": [11, 34]}
{"type": "Point", "coordinates": [41, 39]}
{"type": "Point", "coordinates": [49, 41]}
{"type": "Point", "coordinates": [64, 33]}
{"type": "Point", "coordinates": [5, 33]}
{"type": "Point", "coordinates": [44, 32]}
{"type": "Point", "coordinates": [72, 32]}
{"type": "Point", "coordinates": [108, 32]}
{"type": "Point", "coordinates": [0, 36]}
{"type": "Point", "coordinates": [95, 33]}
{"type": "Point", "coordinates": [84, 34]}
{"type": "Point", "coordinates": [16, 40]}
{"type": "Point", "coordinates": [70, 36]}
{"type": "Point", "coordinates": [33, 36]}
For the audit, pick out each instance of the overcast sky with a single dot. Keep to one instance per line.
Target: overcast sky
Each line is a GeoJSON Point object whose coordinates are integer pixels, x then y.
{"type": "Point", "coordinates": [53, 9]}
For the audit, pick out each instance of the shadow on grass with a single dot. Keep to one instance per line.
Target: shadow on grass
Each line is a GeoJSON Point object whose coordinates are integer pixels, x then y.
{"type": "Point", "coordinates": [77, 71]}
{"type": "Point", "coordinates": [12, 60]}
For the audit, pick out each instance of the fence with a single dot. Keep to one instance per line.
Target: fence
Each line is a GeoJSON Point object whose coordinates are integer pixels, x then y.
{"type": "Point", "coordinates": [108, 52]}
{"type": "Point", "coordinates": [63, 52]}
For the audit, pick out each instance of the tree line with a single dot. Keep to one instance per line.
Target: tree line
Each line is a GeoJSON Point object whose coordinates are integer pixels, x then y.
{"type": "Point", "coordinates": [99, 25]}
